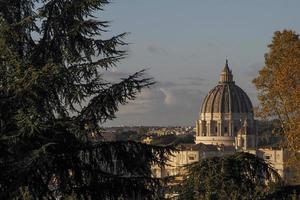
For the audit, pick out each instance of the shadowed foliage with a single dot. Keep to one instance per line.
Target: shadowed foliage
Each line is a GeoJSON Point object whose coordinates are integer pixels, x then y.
{"type": "Point", "coordinates": [53, 100]}
{"type": "Point", "coordinates": [237, 176]}
{"type": "Point", "coordinates": [284, 193]}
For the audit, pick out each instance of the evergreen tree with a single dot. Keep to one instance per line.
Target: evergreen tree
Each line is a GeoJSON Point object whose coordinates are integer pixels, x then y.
{"type": "Point", "coordinates": [53, 100]}
{"type": "Point", "coordinates": [238, 176]}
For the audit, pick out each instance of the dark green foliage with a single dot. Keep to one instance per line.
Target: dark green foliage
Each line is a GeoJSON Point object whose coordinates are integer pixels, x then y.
{"type": "Point", "coordinates": [129, 135]}
{"type": "Point", "coordinates": [173, 139]}
{"type": "Point", "coordinates": [238, 176]}
{"type": "Point", "coordinates": [289, 192]}
{"type": "Point", "coordinates": [53, 100]}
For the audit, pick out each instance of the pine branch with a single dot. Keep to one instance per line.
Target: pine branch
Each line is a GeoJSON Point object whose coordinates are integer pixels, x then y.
{"type": "Point", "coordinates": [104, 105]}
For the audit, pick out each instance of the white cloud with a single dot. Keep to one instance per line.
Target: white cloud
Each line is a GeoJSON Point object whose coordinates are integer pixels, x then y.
{"type": "Point", "coordinates": [146, 102]}
{"type": "Point", "coordinates": [176, 105]}
{"type": "Point", "coordinates": [170, 99]}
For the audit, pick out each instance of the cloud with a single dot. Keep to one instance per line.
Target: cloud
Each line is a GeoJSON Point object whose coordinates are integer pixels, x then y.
{"type": "Point", "coordinates": [162, 105]}
{"type": "Point", "coordinates": [166, 84]}
{"type": "Point", "coordinates": [155, 49]}
{"type": "Point", "coordinates": [193, 80]}
{"type": "Point", "coordinates": [146, 102]}
{"type": "Point", "coordinates": [169, 99]}
{"type": "Point", "coordinates": [166, 103]}
{"type": "Point", "coordinates": [182, 82]}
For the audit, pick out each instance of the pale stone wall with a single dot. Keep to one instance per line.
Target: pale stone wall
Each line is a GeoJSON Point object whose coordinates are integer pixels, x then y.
{"type": "Point", "coordinates": [278, 159]}
{"type": "Point", "coordinates": [176, 163]}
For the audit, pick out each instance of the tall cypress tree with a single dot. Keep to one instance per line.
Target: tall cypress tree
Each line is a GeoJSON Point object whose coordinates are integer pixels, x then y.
{"type": "Point", "coordinates": [53, 100]}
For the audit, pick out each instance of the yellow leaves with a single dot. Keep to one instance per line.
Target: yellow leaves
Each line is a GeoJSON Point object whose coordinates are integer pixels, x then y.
{"type": "Point", "coordinates": [278, 84]}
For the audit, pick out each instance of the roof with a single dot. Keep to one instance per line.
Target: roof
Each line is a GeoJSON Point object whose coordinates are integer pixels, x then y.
{"type": "Point", "coordinates": [227, 97]}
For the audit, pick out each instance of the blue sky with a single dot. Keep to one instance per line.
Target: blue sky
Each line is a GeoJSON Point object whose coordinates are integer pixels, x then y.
{"type": "Point", "coordinates": [184, 45]}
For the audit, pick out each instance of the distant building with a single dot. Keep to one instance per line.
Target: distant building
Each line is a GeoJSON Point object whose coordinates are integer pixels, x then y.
{"type": "Point", "coordinates": [187, 154]}
{"type": "Point", "coordinates": [226, 115]}
{"type": "Point", "coordinates": [226, 125]}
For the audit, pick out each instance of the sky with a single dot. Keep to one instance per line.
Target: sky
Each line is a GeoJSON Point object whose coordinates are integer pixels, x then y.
{"type": "Point", "coordinates": [184, 44]}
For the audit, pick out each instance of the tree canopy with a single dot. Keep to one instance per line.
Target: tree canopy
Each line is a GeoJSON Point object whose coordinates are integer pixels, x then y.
{"type": "Point", "coordinates": [53, 100]}
{"type": "Point", "coordinates": [173, 139]}
{"type": "Point", "coordinates": [238, 176]}
{"type": "Point", "coordinates": [278, 84]}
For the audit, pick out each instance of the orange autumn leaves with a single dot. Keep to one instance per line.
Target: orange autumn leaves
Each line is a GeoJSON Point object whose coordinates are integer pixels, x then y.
{"type": "Point", "coordinates": [278, 84]}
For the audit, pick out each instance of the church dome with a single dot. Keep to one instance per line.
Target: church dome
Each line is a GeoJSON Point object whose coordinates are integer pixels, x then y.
{"type": "Point", "coordinates": [227, 97]}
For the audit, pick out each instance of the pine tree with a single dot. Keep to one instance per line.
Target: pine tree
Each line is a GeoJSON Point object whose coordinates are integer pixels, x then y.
{"type": "Point", "coordinates": [53, 100]}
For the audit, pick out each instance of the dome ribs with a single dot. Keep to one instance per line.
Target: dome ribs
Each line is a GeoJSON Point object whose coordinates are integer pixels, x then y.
{"type": "Point", "coordinates": [221, 106]}
{"type": "Point", "coordinates": [238, 100]}
{"type": "Point", "coordinates": [212, 110]}
{"type": "Point", "coordinates": [227, 98]}
{"type": "Point", "coordinates": [204, 105]}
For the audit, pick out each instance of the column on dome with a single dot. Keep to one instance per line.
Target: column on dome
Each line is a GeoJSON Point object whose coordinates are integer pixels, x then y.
{"type": "Point", "coordinates": [208, 129]}
{"type": "Point", "coordinates": [197, 128]}
{"type": "Point", "coordinates": [203, 128]}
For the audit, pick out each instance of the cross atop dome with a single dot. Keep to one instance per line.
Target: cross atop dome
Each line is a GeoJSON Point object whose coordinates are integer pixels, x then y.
{"type": "Point", "coordinates": [226, 74]}
{"type": "Point", "coordinates": [226, 68]}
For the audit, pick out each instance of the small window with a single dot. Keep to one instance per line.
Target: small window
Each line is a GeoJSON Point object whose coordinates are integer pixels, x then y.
{"type": "Point", "coordinates": [216, 129]}
{"type": "Point", "coordinates": [225, 129]}
{"type": "Point", "coordinates": [267, 157]}
{"type": "Point", "coordinates": [191, 158]}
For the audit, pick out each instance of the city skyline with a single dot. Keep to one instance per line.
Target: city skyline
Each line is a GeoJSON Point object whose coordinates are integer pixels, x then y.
{"type": "Point", "coordinates": [184, 47]}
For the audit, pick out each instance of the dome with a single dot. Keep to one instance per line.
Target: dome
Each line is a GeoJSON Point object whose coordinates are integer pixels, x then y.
{"type": "Point", "coordinates": [227, 97]}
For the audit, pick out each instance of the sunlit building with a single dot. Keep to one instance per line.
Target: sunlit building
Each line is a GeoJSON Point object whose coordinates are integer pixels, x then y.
{"type": "Point", "coordinates": [226, 115]}
{"type": "Point", "coordinates": [226, 125]}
